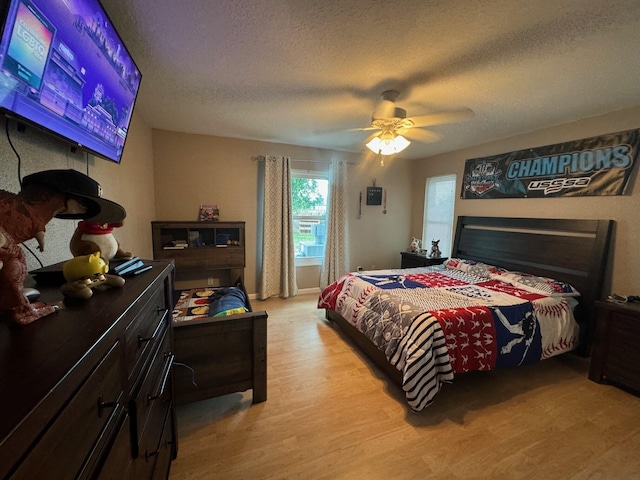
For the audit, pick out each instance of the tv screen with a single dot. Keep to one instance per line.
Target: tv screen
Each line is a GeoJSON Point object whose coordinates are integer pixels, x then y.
{"type": "Point", "coordinates": [64, 68]}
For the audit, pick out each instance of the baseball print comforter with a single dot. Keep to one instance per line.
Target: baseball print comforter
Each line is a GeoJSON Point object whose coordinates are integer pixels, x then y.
{"type": "Point", "coordinates": [434, 322]}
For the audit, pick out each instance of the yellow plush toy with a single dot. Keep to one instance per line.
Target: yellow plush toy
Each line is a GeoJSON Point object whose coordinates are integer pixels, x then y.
{"type": "Point", "coordinates": [86, 273]}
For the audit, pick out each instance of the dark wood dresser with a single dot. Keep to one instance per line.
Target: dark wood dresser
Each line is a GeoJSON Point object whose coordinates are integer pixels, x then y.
{"type": "Point", "coordinates": [615, 357]}
{"type": "Point", "coordinates": [87, 391]}
{"type": "Point", "coordinates": [410, 260]}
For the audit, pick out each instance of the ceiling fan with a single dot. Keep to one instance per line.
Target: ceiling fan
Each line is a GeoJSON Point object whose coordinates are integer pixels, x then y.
{"type": "Point", "coordinates": [394, 125]}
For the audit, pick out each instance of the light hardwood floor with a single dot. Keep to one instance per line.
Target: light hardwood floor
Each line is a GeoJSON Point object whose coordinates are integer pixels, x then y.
{"type": "Point", "coordinates": [330, 414]}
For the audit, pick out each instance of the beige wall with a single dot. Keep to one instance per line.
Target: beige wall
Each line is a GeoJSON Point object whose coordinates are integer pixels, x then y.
{"type": "Point", "coordinates": [624, 261]}
{"type": "Point", "coordinates": [167, 175]}
{"type": "Point", "coordinates": [195, 169]}
{"type": "Point", "coordinates": [129, 184]}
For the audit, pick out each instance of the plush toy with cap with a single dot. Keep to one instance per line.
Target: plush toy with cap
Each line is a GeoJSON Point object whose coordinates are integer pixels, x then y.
{"type": "Point", "coordinates": [24, 215]}
{"type": "Point", "coordinates": [92, 237]}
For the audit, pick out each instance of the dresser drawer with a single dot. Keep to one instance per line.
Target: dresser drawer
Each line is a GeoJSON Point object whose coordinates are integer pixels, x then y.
{"type": "Point", "coordinates": [166, 448]}
{"type": "Point", "coordinates": [144, 331]}
{"type": "Point", "coordinates": [119, 464]}
{"type": "Point", "coordinates": [88, 422]}
{"type": "Point", "coordinates": [150, 405]}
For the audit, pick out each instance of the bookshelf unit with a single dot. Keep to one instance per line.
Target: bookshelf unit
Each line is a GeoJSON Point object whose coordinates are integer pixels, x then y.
{"type": "Point", "coordinates": [201, 250]}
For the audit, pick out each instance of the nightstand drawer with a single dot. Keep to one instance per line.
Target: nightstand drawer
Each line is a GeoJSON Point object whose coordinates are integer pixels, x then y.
{"type": "Point", "coordinates": [615, 357]}
{"type": "Point", "coordinates": [623, 373]}
{"type": "Point", "coordinates": [625, 331]}
{"type": "Point", "coordinates": [411, 260]}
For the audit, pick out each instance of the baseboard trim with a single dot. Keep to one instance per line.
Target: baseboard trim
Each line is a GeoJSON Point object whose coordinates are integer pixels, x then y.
{"type": "Point", "coordinates": [302, 291]}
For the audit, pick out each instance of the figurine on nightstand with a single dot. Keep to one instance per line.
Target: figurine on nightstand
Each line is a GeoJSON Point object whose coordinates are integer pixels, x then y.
{"type": "Point", "coordinates": [416, 245]}
{"type": "Point", "coordinates": [435, 250]}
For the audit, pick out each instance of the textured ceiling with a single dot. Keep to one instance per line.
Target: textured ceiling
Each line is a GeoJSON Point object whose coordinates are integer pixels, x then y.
{"type": "Point", "coordinates": [304, 72]}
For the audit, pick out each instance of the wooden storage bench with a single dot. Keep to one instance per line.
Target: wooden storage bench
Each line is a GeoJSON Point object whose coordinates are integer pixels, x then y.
{"type": "Point", "coordinates": [219, 355]}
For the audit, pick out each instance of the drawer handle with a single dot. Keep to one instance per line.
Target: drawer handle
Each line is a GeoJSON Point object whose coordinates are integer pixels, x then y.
{"type": "Point", "coordinates": [161, 310]}
{"type": "Point", "coordinates": [165, 444]}
{"type": "Point", "coordinates": [165, 377]}
{"type": "Point", "coordinates": [102, 405]}
{"type": "Point", "coordinates": [142, 340]}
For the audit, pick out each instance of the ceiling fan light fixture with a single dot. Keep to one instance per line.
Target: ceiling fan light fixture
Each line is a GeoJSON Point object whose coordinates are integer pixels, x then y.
{"type": "Point", "coordinates": [388, 145]}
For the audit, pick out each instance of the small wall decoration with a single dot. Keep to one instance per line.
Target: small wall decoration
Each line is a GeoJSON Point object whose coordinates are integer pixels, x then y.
{"type": "Point", "coordinates": [384, 202]}
{"type": "Point", "coordinates": [374, 194]}
{"type": "Point", "coordinates": [209, 213]}
{"type": "Point", "coordinates": [592, 166]}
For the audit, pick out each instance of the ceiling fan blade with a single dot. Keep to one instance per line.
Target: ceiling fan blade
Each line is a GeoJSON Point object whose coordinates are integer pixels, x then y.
{"type": "Point", "coordinates": [361, 129]}
{"type": "Point", "coordinates": [419, 135]}
{"type": "Point", "coordinates": [442, 118]}
{"type": "Point", "coordinates": [384, 109]}
{"type": "Point", "coordinates": [386, 106]}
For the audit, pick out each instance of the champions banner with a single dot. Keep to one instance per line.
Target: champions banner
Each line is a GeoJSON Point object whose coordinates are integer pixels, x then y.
{"type": "Point", "coordinates": [592, 166]}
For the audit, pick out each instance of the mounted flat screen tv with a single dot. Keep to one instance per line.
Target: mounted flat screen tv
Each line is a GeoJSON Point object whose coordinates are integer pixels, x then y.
{"type": "Point", "coordinates": [63, 68]}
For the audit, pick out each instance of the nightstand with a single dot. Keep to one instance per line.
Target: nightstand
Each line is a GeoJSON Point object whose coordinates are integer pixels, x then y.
{"type": "Point", "coordinates": [410, 260]}
{"type": "Point", "coordinates": [615, 357]}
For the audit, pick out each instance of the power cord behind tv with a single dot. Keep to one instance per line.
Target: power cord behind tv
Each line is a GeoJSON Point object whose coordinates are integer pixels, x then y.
{"type": "Point", "coordinates": [6, 124]}
{"type": "Point", "coordinates": [6, 127]}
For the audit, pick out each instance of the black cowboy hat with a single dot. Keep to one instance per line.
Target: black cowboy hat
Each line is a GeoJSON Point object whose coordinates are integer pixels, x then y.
{"type": "Point", "coordinates": [85, 189]}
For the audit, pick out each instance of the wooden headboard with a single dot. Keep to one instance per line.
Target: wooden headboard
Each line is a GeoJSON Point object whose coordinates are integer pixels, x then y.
{"type": "Point", "coordinates": [574, 251]}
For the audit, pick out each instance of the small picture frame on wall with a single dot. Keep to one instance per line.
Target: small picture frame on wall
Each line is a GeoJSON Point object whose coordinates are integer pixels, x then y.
{"type": "Point", "coordinates": [374, 195]}
{"type": "Point", "coordinates": [209, 213]}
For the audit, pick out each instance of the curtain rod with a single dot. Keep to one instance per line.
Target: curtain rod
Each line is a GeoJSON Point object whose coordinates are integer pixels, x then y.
{"type": "Point", "coordinates": [260, 158]}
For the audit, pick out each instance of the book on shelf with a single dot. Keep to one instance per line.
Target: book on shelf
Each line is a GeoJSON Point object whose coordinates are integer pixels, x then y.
{"type": "Point", "coordinates": [209, 213]}
{"type": "Point", "coordinates": [176, 245]}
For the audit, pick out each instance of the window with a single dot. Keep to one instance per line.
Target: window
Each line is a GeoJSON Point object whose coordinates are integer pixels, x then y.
{"type": "Point", "coordinates": [309, 191]}
{"type": "Point", "coordinates": [439, 203]}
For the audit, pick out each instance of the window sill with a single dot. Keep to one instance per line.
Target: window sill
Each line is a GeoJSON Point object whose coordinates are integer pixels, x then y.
{"type": "Point", "coordinates": [307, 261]}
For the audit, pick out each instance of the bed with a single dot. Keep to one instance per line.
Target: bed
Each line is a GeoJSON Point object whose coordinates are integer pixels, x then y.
{"type": "Point", "coordinates": [515, 291]}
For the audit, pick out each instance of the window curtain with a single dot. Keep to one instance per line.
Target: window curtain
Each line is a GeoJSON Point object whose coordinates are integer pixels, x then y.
{"type": "Point", "coordinates": [336, 257]}
{"type": "Point", "coordinates": [277, 270]}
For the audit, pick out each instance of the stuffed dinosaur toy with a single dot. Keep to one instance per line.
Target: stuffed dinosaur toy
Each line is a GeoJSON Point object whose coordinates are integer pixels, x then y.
{"type": "Point", "coordinates": [24, 215]}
